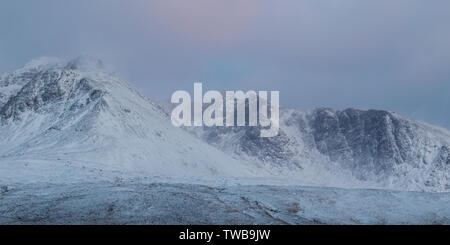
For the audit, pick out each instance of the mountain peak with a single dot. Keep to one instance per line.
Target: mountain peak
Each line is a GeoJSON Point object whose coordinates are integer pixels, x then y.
{"type": "Point", "coordinates": [41, 63]}
{"type": "Point", "coordinates": [85, 63]}
{"type": "Point", "coordinates": [81, 63]}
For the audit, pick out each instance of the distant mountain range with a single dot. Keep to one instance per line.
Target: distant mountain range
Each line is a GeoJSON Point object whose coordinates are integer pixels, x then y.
{"type": "Point", "coordinates": [78, 112]}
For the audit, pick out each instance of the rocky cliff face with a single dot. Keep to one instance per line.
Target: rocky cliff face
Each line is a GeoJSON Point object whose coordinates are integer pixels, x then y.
{"type": "Point", "coordinates": [379, 141]}
{"type": "Point", "coordinates": [374, 145]}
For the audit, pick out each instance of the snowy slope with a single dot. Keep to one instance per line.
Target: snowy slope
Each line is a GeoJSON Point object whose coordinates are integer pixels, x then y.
{"type": "Point", "coordinates": [379, 148]}
{"type": "Point", "coordinates": [78, 113]}
{"type": "Point", "coordinates": [11, 83]}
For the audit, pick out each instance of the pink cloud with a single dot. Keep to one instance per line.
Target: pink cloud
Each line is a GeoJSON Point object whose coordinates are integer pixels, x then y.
{"type": "Point", "coordinates": [206, 21]}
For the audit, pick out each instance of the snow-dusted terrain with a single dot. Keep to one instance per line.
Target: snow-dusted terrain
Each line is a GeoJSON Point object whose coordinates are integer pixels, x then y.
{"type": "Point", "coordinates": [79, 113]}
{"type": "Point", "coordinates": [379, 148]}
{"type": "Point", "coordinates": [140, 202]}
{"type": "Point", "coordinates": [79, 146]}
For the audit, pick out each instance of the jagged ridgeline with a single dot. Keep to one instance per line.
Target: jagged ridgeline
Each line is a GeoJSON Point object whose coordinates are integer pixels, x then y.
{"type": "Point", "coordinates": [373, 145]}
{"type": "Point", "coordinates": [78, 112]}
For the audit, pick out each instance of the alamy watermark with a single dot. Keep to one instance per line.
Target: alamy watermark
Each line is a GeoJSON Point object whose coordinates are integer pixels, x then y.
{"type": "Point", "coordinates": [251, 103]}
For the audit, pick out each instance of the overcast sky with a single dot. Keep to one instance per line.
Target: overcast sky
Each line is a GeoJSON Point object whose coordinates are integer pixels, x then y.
{"type": "Point", "coordinates": [382, 54]}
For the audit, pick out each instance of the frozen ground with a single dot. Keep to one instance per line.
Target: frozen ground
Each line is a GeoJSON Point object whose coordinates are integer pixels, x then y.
{"type": "Point", "coordinates": [67, 192]}
{"type": "Point", "coordinates": [139, 201]}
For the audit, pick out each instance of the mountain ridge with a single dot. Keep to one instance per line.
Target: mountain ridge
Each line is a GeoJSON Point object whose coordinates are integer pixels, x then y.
{"type": "Point", "coordinates": [88, 115]}
{"type": "Point", "coordinates": [80, 112]}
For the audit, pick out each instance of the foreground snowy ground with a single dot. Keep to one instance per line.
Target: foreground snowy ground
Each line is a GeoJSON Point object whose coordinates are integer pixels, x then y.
{"type": "Point", "coordinates": [55, 192]}
{"type": "Point", "coordinates": [137, 202]}
{"type": "Point", "coordinates": [161, 203]}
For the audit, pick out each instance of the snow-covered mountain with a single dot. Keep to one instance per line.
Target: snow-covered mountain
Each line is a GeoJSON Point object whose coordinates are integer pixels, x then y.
{"type": "Point", "coordinates": [79, 114]}
{"type": "Point", "coordinates": [76, 112]}
{"type": "Point", "coordinates": [79, 146]}
{"type": "Point", "coordinates": [378, 147]}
